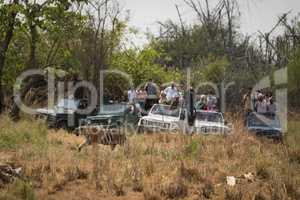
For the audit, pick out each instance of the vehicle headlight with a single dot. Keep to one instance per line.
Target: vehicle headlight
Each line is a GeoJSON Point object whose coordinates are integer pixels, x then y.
{"type": "Point", "coordinates": [88, 122]}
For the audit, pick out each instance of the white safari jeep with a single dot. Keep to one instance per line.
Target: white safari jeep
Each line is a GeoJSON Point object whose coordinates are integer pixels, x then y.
{"type": "Point", "coordinates": [210, 122]}
{"type": "Point", "coordinates": [162, 118]}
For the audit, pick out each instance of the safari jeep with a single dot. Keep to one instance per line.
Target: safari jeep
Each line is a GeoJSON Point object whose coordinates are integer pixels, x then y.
{"type": "Point", "coordinates": [112, 116]}
{"type": "Point", "coordinates": [64, 114]}
{"type": "Point", "coordinates": [210, 123]}
{"type": "Point", "coordinates": [109, 126]}
{"type": "Point", "coordinates": [266, 125]}
{"type": "Point", "coordinates": [162, 118]}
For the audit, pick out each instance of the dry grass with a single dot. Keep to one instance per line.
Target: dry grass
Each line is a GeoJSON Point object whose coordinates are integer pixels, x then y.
{"type": "Point", "coordinates": [150, 167]}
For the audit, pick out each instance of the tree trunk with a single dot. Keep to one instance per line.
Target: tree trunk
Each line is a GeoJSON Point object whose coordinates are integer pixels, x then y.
{"type": "Point", "coordinates": [32, 56]}
{"type": "Point", "coordinates": [31, 64]}
{"type": "Point", "coordinates": [3, 49]}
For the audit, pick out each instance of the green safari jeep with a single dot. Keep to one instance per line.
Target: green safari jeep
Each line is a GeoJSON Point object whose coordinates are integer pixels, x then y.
{"type": "Point", "coordinates": [113, 116]}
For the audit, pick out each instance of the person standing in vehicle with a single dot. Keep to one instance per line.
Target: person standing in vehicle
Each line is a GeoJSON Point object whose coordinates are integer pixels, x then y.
{"type": "Point", "coordinates": [247, 102]}
{"type": "Point", "coordinates": [131, 95]}
{"type": "Point", "coordinates": [171, 92]}
{"type": "Point", "coordinates": [152, 94]}
{"type": "Point", "coordinates": [255, 97]}
{"type": "Point", "coordinates": [163, 98]}
{"type": "Point", "coordinates": [211, 101]}
{"type": "Point", "coordinates": [261, 104]}
{"type": "Point", "coordinates": [201, 103]}
{"type": "Point", "coordinates": [271, 106]}
{"type": "Point", "coordinates": [190, 105]}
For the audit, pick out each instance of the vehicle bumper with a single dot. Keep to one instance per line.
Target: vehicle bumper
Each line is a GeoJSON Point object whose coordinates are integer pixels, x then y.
{"type": "Point", "coordinates": [268, 135]}
{"type": "Point", "coordinates": [145, 128]}
{"type": "Point", "coordinates": [211, 131]}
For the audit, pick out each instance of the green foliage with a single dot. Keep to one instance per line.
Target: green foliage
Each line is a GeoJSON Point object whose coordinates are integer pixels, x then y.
{"type": "Point", "coordinates": [142, 65]}
{"type": "Point", "coordinates": [20, 190]}
{"type": "Point", "coordinates": [211, 70]}
{"type": "Point", "coordinates": [115, 85]}
{"type": "Point", "coordinates": [15, 58]}
{"type": "Point", "coordinates": [193, 148]}
{"type": "Point", "coordinates": [186, 48]}
{"type": "Point", "coordinates": [56, 26]}
{"type": "Point", "coordinates": [216, 70]}
{"type": "Point", "coordinates": [293, 78]}
{"type": "Point", "coordinates": [5, 15]}
{"type": "Point", "coordinates": [14, 136]}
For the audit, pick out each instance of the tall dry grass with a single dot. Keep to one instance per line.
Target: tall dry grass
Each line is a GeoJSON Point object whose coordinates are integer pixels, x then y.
{"type": "Point", "coordinates": [157, 166]}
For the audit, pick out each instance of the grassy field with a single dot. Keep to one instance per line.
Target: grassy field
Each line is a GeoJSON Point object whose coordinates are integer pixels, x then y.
{"type": "Point", "coordinates": [150, 167]}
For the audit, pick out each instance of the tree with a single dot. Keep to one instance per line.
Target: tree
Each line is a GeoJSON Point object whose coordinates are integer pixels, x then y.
{"type": "Point", "coordinates": [141, 65]}
{"type": "Point", "coordinates": [294, 74]}
{"type": "Point", "coordinates": [8, 14]}
{"type": "Point", "coordinates": [35, 14]}
{"type": "Point", "coordinates": [100, 37]}
{"type": "Point", "coordinates": [215, 71]}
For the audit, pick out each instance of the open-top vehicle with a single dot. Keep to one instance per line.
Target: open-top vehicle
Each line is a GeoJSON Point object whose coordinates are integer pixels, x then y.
{"type": "Point", "coordinates": [266, 124]}
{"type": "Point", "coordinates": [112, 116]}
{"type": "Point", "coordinates": [64, 114]}
{"type": "Point", "coordinates": [210, 122]}
{"type": "Point", "coordinates": [109, 126]}
{"type": "Point", "coordinates": [162, 118]}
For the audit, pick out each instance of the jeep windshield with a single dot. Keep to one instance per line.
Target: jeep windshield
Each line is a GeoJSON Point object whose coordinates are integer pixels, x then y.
{"type": "Point", "coordinates": [69, 104]}
{"type": "Point", "coordinates": [111, 109]}
{"type": "Point", "coordinates": [263, 120]}
{"type": "Point", "coordinates": [165, 110]}
{"type": "Point", "coordinates": [210, 117]}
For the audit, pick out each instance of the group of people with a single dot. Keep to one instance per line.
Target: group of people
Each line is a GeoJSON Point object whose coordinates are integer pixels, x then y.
{"type": "Point", "coordinates": [171, 95]}
{"type": "Point", "coordinates": [206, 102]}
{"type": "Point", "coordinates": [259, 101]}
{"type": "Point", "coordinates": [152, 94]}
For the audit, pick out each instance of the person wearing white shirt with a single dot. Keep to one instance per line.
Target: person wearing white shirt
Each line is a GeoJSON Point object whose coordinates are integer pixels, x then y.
{"type": "Point", "coordinates": [171, 92]}
{"type": "Point", "coordinates": [132, 95]}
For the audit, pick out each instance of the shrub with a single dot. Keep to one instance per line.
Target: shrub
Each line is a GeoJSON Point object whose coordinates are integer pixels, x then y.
{"type": "Point", "coordinates": [15, 135]}
{"type": "Point", "coordinates": [233, 194]}
{"type": "Point", "coordinates": [20, 190]}
{"type": "Point", "coordinates": [207, 190]}
{"type": "Point", "coordinates": [189, 174]}
{"type": "Point", "coordinates": [175, 190]}
{"type": "Point", "coordinates": [151, 195]}
{"type": "Point", "coordinates": [263, 169]}
{"type": "Point", "coordinates": [192, 149]}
